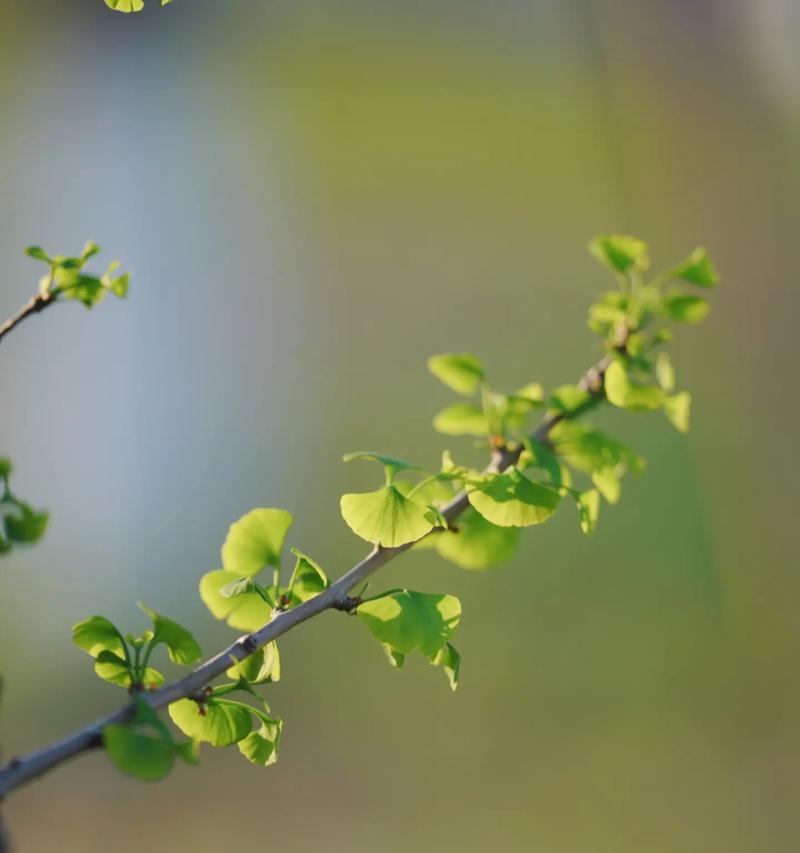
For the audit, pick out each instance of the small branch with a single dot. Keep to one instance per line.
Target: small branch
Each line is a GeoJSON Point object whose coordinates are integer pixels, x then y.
{"type": "Point", "coordinates": [33, 306]}
{"type": "Point", "coordinates": [21, 771]}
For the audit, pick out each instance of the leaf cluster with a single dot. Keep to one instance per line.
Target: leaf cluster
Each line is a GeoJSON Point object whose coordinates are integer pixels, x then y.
{"type": "Point", "coordinates": [20, 524]}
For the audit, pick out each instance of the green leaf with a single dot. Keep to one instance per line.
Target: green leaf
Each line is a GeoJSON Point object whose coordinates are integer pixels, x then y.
{"type": "Point", "coordinates": [389, 462]}
{"type": "Point", "coordinates": [606, 480]}
{"type": "Point", "coordinates": [623, 392]}
{"type": "Point", "coordinates": [261, 667]}
{"type": "Point", "coordinates": [38, 254]}
{"type": "Point", "coordinates": [255, 541]}
{"type": "Point", "coordinates": [308, 578]}
{"type": "Point", "coordinates": [462, 372]}
{"type": "Point", "coordinates": [568, 399]}
{"type": "Point", "coordinates": [27, 527]}
{"type": "Point", "coordinates": [476, 544]}
{"type": "Point", "coordinates": [5, 467]}
{"type": "Point", "coordinates": [261, 746]}
{"type": "Point", "coordinates": [181, 644]}
{"type": "Point", "coordinates": [407, 621]}
{"type": "Point", "coordinates": [461, 419]}
{"type": "Point", "coordinates": [97, 634]}
{"type": "Point", "coordinates": [246, 612]}
{"type": "Point", "coordinates": [677, 409]}
{"type": "Point", "coordinates": [144, 748]}
{"type": "Point", "coordinates": [619, 252]}
{"type": "Point", "coordinates": [665, 372]}
{"type": "Point", "coordinates": [141, 754]}
{"type": "Point", "coordinates": [589, 509]}
{"type": "Point", "coordinates": [125, 5]}
{"type": "Point", "coordinates": [218, 722]}
{"type": "Point", "coordinates": [450, 660]}
{"type": "Point", "coordinates": [685, 308]}
{"type": "Point", "coordinates": [512, 500]}
{"type": "Point", "coordinates": [698, 269]}
{"type": "Point", "coordinates": [385, 517]}
{"type": "Point", "coordinates": [114, 669]}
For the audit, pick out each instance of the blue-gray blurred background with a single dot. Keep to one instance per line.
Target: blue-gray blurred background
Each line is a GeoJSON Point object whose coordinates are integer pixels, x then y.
{"type": "Point", "coordinates": [313, 197]}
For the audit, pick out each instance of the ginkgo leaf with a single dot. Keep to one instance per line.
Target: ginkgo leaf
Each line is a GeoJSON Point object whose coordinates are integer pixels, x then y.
{"type": "Point", "coordinates": [589, 509]}
{"type": "Point", "coordinates": [261, 746]}
{"type": "Point", "coordinates": [308, 578]}
{"type": "Point", "coordinates": [97, 634]}
{"type": "Point", "coordinates": [246, 612]}
{"type": "Point", "coordinates": [450, 660]}
{"type": "Point", "coordinates": [145, 755]}
{"type": "Point", "coordinates": [620, 252]}
{"type": "Point", "coordinates": [462, 372]}
{"type": "Point", "coordinates": [698, 269]}
{"type": "Point", "coordinates": [255, 541]}
{"type": "Point", "coordinates": [407, 621]}
{"type": "Point", "coordinates": [686, 308]}
{"type": "Point", "coordinates": [461, 419]}
{"type": "Point", "coordinates": [385, 517]}
{"type": "Point", "coordinates": [261, 667]}
{"type": "Point", "coordinates": [125, 5]}
{"type": "Point", "coordinates": [219, 722]}
{"type": "Point", "coordinates": [181, 644]}
{"type": "Point", "coordinates": [510, 499]}
{"type": "Point", "coordinates": [677, 409]}
{"type": "Point", "coordinates": [391, 462]}
{"type": "Point", "coordinates": [627, 394]}
{"type": "Point", "coordinates": [475, 543]}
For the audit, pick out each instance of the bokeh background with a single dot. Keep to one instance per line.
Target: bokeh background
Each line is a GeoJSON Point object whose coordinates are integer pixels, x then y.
{"type": "Point", "coordinates": [314, 197]}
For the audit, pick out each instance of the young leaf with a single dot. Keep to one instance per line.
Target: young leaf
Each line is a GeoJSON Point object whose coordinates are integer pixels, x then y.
{"type": "Point", "coordinates": [461, 419]}
{"type": "Point", "coordinates": [589, 509]}
{"type": "Point", "coordinates": [406, 621]}
{"type": "Point", "coordinates": [181, 645]}
{"type": "Point", "coordinates": [255, 541]}
{"type": "Point", "coordinates": [698, 269]}
{"type": "Point", "coordinates": [308, 578]}
{"type": "Point", "coordinates": [665, 372]}
{"type": "Point", "coordinates": [619, 252]}
{"type": "Point", "coordinates": [143, 749]}
{"type": "Point", "coordinates": [462, 372]}
{"type": "Point", "coordinates": [396, 465]}
{"type": "Point", "coordinates": [385, 517]}
{"type": "Point", "coordinates": [568, 399]}
{"type": "Point", "coordinates": [476, 544]}
{"type": "Point", "coordinates": [685, 308]}
{"type": "Point", "coordinates": [512, 500]}
{"type": "Point", "coordinates": [143, 755]}
{"type": "Point", "coordinates": [222, 724]}
{"type": "Point", "coordinates": [126, 5]}
{"type": "Point", "coordinates": [623, 392]}
{"type": "Point", "coordinates": [677, 409]}
{"type": "Point", "coordinates": [115, 670]}
{"type": "Point", "coordinates": [261, 746]}
{"type": "Point", "coordinates": [450, 660]}
{"type": "Point", "coordinates": [246, 612]}
{"type": "Point", "coordinates": [261, 667]}
{"type": "Point", "coordinates": [97, 634]}
{"type": "Point", "coordinates": [26, 527]}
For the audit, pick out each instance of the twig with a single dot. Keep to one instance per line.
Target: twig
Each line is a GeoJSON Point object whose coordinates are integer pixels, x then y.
{"type": "Point", "coordinates": [33, 306]}
{"type": "Point", "coordinates": [20, 771]}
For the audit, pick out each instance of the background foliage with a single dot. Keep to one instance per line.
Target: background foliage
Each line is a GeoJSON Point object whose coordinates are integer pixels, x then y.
{"type": "Point", "coordinates": [314, 203]}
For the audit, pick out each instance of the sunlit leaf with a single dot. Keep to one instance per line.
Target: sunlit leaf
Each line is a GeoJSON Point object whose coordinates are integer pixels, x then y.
{"type": "Point", "coordinates": [461, 419]}
{"type": "Point", "coordinates": [677, 409]}
{"type": "Point", "coordinates": [462, 372]}
{"type": "Point", "coordinates": [475, 543]}
{"type": "Point", "coordinates": [619, 252]}
{"type": "Point", "coordinates": [181, 644]}
{"type": "Point", "coordinates": [246, 612]}
{"type": "Point", "coordinates": [255, 541]}
{"type": "Point", "coordinates": [308, 578]}
{"type": "Point", "coordinates": [407, 621]}
{"type": "Point", "coordinates": [698, 269]}
{"type": "Point", "coordinates": [385, 517]}
{"type": "Point", "coordinates": [261, 667]}
{"type": "Point", "coordinates": [218, 722]}
{"type": "Point", "coordinates": [510, 499]}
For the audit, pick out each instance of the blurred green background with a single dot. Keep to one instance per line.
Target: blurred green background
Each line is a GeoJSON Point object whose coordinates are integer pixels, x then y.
{"type": "Point", "coordinates": [314, 197]}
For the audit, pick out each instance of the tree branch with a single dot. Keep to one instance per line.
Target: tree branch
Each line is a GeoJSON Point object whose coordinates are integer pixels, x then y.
{"type": "Point", "coordinates": [33, 306]}
{"type": "Point", "coordinates": [21, 771]}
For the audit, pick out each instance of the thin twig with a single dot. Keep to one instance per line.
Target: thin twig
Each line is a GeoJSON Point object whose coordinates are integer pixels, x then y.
{"type": "Point", "coordinates": [33, 306]}
{"type": "Point", "coordinates": [21, 771]}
